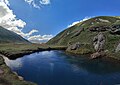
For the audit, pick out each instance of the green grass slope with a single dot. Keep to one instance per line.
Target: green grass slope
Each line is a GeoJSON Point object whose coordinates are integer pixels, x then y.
{"type": "Point", "coordinates": [73, 35]}
{"type": "Point", "coordinates": [7, 36]}
{"type": "Point", "coordinates": [66, 36]}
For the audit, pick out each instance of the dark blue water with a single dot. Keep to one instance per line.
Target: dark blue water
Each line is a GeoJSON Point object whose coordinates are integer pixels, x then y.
{"type": "Point", "coordinates": [58, 68]}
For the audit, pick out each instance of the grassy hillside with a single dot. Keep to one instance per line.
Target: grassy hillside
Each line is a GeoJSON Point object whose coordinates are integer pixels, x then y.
{"type": "Point", "coordinates": [68, 35]}
{"type": "Point", "coordinates": [90, 28]}
{"type": "Point", "coordinates": [7, 36]}
{"type": "Point", "coordinates": [12, 44]}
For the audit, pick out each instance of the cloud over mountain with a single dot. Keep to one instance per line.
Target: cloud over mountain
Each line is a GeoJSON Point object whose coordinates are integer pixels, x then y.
{"type": "Point", "coordinates": [76, 22]}
{"type": "Point", "coordinates": [9, 21]}
{"type": "Point", "coordinates": [39, 38]}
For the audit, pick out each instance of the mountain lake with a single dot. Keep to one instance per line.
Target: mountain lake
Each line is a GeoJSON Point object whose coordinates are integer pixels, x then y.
{"type": "Point", "coordinates": [59, 68]}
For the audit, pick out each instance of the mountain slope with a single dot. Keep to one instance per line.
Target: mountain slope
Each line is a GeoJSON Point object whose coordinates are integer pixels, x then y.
{"type": "Point", "coordinates": [72, 34]}
{"type": "Point", "coordinates": [84, 33]}
{"type": "Point", "coordinates": [7, 36]}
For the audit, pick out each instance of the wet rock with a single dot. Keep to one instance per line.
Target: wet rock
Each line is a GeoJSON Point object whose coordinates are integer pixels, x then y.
{"type": "Point", "coordinates": [21, 78]}
{"type": "Point", "coordinates": [97, 55]}
{"type": "Point", "coordinates": [99, 42]}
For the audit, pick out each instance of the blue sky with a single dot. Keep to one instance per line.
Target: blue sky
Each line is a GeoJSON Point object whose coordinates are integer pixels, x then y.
{"type": "Point", "coordinates": [53, 17]}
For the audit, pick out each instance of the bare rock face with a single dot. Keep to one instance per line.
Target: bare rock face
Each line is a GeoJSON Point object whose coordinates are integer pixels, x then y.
{"type": "Point", "coordinates": [118, 48]}
{"type": "Point", "coordinates": [74, 46]}
{"type": "Point", "coordinates": [115, 31]}
{"type": "Point", "coordinates": [99, 42]}
{"type": "Point", "coordinates": [99, 28]}
{"type": "Point", "coordinates": [78, 32]}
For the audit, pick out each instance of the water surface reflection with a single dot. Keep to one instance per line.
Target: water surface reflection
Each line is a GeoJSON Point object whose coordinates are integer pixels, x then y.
{"type": "Point", "coordinates": [58, 68]}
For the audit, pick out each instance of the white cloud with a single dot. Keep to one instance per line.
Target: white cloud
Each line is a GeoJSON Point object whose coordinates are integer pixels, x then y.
{"type": "Point", "coordinates": [9, 21]}
{"type": "Point", "coordinates": [5, 1]}
{"type": "Point", "coordinates": [31, 32]}
{"type": "Point", "coordinates": [32, 2]}
{"type": "Point", "coordinates": [76, 22]}
{"type": "Point", "coordinates": [37, 3]}
{"type": "Point", "coordinates": [45, 2]}
{"type": "Point", "coordinates": [39, 38]}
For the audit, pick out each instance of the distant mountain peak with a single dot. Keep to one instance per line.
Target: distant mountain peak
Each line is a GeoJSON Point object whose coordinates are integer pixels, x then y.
{"type": "Point", "coordinates": [7, 36]}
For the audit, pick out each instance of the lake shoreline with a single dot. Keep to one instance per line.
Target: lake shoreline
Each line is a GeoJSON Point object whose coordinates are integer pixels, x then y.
{"type": "Point", "coordinates": [27, 52]}
{"type": "Point", "coordinates": [39, 49]}
{"type": "Point", "coordinates": [7, 76]}
{"type": "Point", "coordinates": [18, 55]}
{"type": "Point", "coordinates": [50, 63]}
{"type": "Point", "coordinates": [13, 51]}
{"type": "Point", "coordinates": [107, 57]}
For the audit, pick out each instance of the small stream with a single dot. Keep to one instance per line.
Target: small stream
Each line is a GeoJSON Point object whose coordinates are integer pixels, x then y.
{"type": "Point", "coordinates": [59, 68]}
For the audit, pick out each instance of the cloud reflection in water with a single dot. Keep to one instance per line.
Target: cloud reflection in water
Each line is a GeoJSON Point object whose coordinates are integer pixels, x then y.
{"type": "Point", "coordinates": [13, 63]}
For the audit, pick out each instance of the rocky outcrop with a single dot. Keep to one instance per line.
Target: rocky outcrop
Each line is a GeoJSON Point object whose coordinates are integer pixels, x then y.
{"type": "Point", "coordinates": [115, 31]}
{"type": "Point", "coordinates": [118, 48]}
{"type": "Point", "coordinates": [78, 32]}
{"type": "Point", "coordinates": [73, 46]}
{"type": "Point", "coordinates": [99, 42]}
{"type": "Point", "coordinates": [99, 28]}
{"type": "Point", "coordinates": [98, 55]}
